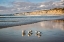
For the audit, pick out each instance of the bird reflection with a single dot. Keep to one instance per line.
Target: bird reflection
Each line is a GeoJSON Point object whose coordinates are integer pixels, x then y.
{"type": "Point", "coordinates": [23, 33]}
{"type": "Point", "coordinates": [29, 34]}
{"type": "Point", "coordinates": [39, 35]}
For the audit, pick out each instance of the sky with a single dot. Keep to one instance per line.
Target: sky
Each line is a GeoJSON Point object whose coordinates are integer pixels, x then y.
{"type": "Point", "coordinates": [7, 2]}
{"type": "Point", "coordinates": [16, 6]}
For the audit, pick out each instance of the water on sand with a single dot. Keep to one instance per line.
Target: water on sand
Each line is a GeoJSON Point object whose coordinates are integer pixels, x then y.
{"type": "Point", "coordinates": [52, 31]}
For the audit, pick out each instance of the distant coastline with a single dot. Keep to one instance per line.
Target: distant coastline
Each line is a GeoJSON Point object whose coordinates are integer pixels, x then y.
{"type": "Point", "coordinates": [55, 11]}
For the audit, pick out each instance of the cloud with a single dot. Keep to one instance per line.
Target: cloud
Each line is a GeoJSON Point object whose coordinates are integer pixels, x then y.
{"type": "Point", "coordinates": [28, 6]}
{"type": "Point", "coordinates": [2, 8]}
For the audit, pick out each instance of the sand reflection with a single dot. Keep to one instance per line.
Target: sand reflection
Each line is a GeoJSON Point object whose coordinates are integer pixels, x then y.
{"type": "Point", "coordinates": [53, 24]}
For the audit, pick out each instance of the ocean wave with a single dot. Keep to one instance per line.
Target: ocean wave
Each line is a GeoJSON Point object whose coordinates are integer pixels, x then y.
{"type": "Point", "coordinates": [6, 21]}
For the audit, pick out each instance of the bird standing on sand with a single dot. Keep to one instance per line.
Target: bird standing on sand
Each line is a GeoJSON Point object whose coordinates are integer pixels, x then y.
{"type": "Point", "coordinates": [29, 32]}
{"type": "Point", "coordinates": [23, 33]}
{"type": "Point", "coordinates": [38, 33]}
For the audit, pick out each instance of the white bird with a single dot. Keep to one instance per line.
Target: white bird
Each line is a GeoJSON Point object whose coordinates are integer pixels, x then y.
{"type": "Point", "coordinates": [39, 32]}
{"type": "Point", "coordinates": [30, 31]}
{"type": "Point", "coordinates": [36, 31]}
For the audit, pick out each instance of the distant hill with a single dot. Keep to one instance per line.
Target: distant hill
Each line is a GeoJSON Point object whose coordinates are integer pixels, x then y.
{"type": "Point", "coordinates": [55, 11]}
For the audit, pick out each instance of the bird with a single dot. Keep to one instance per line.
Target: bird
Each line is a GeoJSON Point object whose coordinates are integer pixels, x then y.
{"type": "Point", "coordinates": [30, 31]}
{"type": "Point", "coordinates": [39, 32]}
{"type": "Point", "coordinates": [23, 32]}
{"type": "Point", "coordinates": [36, 31]}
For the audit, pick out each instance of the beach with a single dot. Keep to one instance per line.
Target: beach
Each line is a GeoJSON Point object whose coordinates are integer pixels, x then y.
{"type": "Point", "coordinates": [50, 31]}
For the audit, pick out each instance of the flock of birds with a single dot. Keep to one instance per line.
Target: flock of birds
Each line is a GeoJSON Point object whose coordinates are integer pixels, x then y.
{"type": "Point", "coordinates": [38, 33]}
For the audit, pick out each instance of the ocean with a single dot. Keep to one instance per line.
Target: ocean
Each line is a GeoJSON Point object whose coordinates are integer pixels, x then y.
{"type": "Point", "coordinates": [51, 28]}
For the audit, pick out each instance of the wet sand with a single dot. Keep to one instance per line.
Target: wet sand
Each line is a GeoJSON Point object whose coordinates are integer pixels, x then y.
{"type": "Point", "coordinates": [52, 31]}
